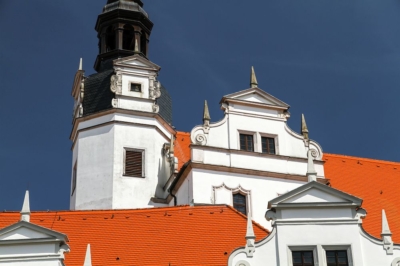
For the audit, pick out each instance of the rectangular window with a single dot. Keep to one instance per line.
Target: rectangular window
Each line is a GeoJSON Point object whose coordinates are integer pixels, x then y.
{"type": "Point", "coordinates": [268, 145]}
{"type": "Point", "coordinates": [337, 258]}
{"type": "Point", "coordinates": [239, 203]}
{"type": "Point", "coordinates": [134, 163]}
{"type": "Point", "coordinates": [73, 179]}
{"type": "Point", "coordinates": [246, 142]}
{"type": "Point", "coordinates": [303, 258]}
{"type": "Point", "coordinates": [136, 87]}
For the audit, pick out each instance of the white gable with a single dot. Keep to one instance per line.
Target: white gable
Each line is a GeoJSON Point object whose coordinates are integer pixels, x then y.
{"type": "Point", "coordinates": [137, 61]}
{"type": "Point", "coordinates": [23, 233]}
{"type": "Point", "coordinates": [314, 195]}
{"type": "Point", "coordinates": [254, 97]}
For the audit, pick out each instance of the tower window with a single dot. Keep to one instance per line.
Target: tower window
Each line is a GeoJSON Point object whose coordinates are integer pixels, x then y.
{"type": "Point", "coordinates": [110, 39]}
{"type": "Point", "coordinates": [128, 42]}
{"type": "Point", "coordinates": [143, 43]}
{"type": "Point", "coordinates": [337, 258]}
{"type": "Point", "coordinates": [134, 163]}
{"type": "Point", "coordinates": [136, 87]}
{"type": "Point", "coordinates": [74, 170]}
{"type": "Point", "coordinates": [240, 203]}
{"type": "Point", "coordinates": [268, 145]}
{"type": "Point", "coordinates": [246, 142]}
{"type": "Point", "coordinates": [303, 258]}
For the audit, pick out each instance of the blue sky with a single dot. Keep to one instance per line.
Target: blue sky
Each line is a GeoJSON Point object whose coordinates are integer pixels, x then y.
{"type": "Point", "coordinates": [338, 62]}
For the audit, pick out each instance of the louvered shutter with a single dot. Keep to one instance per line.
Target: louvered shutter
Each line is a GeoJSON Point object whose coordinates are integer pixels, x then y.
{"type": "Point", "coordinates": [134, 163]}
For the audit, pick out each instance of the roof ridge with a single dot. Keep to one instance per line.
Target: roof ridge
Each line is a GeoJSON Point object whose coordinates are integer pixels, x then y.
{"type": "Point", "coordinates": [362, 158]}
{"type": "Point", "coordinates": [245, 217]}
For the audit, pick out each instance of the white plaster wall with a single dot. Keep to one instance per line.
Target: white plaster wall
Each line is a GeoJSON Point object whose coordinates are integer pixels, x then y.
{"type": "Point", "coordinates": [374, 254]}
{"type": "Point", "coordinates": [268, 256]}
{"type": "Point", "coordinates": [26, 250]}
{"type": "Point", "coordinates": [133, 192]}
{"type": "Point", "coordinates": [185, 193]}
{"type": "Point", "coordinates": [94, 168]}
{"type": "Point", "coordinates": [316, 214]}
{"type": "Point", "coordinates": [262, 189]}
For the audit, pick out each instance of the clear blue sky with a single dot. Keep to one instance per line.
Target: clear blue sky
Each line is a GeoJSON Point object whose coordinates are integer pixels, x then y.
{"type": "Point", "coordinates": [338, 62]}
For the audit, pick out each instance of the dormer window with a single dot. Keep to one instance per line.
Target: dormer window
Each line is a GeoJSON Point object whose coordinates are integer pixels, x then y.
{"type": "Point", "coordinates": [337, 258]}
{"type": "Point", "coordinates": [246, 142]}
{"type": "Point", "coordinates": [135, 87]}
{"type": "Point", "coordinates": [303, 258]}
{"type": "Point", "coordinates": [268, 145]}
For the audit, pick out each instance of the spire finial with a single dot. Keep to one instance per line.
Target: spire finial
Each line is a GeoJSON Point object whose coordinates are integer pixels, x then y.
{"type": "Point", "coordinates": [386, 235]}
{"type": "Point", "coordinates": [206, 113]}
{"type": "Point", "coordinates": [250, 237]}
{"type": "Point", "coordinates": [253, 79]}
{"type": "Point", "coordinates": [136, 46]}
{"type": "Point", "coordinates": [26, 210]}
{"type": "Point", "coordinates": [88, 257]}
{"type": "Point", "coordinates": [311, 173]}
{"type": "Point", "coordinates": [304, 129]}
{"type": "Point", "coordinates": [80, 64]}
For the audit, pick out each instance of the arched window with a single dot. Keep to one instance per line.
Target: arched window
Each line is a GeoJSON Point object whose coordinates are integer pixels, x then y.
{"type": "Point", "coordinates": [143, 43]}
{"type": "Point", "coordinates": [128, 42]}
{"type": "Point", "coordinates": [240, 203]}
{"type": "Point", "coordinates": [110, 39]}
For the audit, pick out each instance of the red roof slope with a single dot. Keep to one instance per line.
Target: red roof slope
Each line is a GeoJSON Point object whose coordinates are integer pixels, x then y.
{"type": "Point", "coordinates": [182, 148]}
{"type": "Point", "coordinates": [201, 235]}
{"type": "Point", "coordinates": [376, 182]}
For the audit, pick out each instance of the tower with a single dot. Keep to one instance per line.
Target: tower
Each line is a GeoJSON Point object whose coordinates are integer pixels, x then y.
{"type": "Point", "coordinates": [122, 117]}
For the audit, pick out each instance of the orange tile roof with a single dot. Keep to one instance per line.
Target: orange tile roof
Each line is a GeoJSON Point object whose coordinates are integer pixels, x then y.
{"type": "Point", "coordinates": [183, 235]}
{"type": "Point", "coordinates": [182, 148]}
{"type": "Point", "coordinates": [375, 181]}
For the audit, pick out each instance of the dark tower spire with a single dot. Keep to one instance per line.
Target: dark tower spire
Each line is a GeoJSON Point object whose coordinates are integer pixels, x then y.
{"type": "Point", "coordinates": [122, 25]}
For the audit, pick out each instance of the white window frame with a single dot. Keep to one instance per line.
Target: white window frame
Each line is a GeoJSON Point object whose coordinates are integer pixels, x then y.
{"type": "Point", "coordinates": [337, 247]}
{"type": "Point", "coordinates": [255, 139]}
{"type": "Point", "coordinates": [272, 136]}
{"type": "Point", "coordinates": [312, 248]}
{"type": "Point", "coordinates": [143, 151]}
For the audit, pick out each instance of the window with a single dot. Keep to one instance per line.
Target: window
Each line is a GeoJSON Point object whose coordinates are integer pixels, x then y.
{"type": "Point", "coordinates": [134, 163]}
{"type": "Point", "coordinates": [337, 258]}
{"type": "Point", "coordinates": [303, 258]}
{"type": "Point", "coordinates": [239, 203]}
{"type": "Point", "coordinates": [110, 39]}
{"type": "Point", "coordinates": [246, 142]}
{"type": "Point", "coordinates": [73, 180]}
{"type": "Point", "coordinates": [268, 145]}
{"type": "Point", "coordinates": [128, 40]}
{"type": "Point", "coordinates": [136, 87]}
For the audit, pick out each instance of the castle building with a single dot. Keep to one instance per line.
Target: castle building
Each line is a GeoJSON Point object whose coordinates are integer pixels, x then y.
{"type": "Point", "coordinates": [245, 190]}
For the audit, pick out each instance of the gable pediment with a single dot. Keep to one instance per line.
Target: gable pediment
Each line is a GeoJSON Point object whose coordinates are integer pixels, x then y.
{"type": "Point", "coordinates": [257, 97]}
{"type": "Point", "coordinates": [25, 231]}
{"type": "Point", "coordinates": [136, 61]}
{"type": "Point", "coordinates": [314, 193]}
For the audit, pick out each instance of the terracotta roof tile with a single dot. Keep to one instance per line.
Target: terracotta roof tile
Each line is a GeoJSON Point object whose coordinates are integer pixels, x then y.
{"type": "Point", "coordinates": [183, 235]}
{"type": "Point", "coordinates": [182, 148]}
{"type": "Point", "coordinates": [375, 181]}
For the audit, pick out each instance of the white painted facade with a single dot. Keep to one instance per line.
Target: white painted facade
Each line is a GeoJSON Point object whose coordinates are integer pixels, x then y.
{"type": "Point", "coordinates": [220, 169]}
{"type": "Point", "coordinates": [317, 218]}
{"type": "Point", "coordinates": [100, 141]}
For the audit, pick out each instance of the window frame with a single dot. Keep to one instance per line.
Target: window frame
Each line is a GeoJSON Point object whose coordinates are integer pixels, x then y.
{"type": "Point", "coordinates": [246, 205]}
{"type": "Point", "coordinates": [143, 151]}
{"type": "Point", "coordinates": [248, 133]}
{"type": "Point", "coordinates": [267, 137]}
{"type": "Point", "coordinates": [314, 250]}
{"type": "Point", "coordinates": [338, 248]}
{"type": "Point", "coordinates": [135, 83]}
{"type": "Point", "coordinates": [74, 178]}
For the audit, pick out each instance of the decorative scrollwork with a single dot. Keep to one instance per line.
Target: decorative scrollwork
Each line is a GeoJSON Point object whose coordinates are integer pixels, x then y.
{"type": "Point", "coordinates": [116, 84]}
{"type": "Point", "coordinates": [155, 91]}
{"type": "Point", "coordinates": [201, 139]}
{"type": "Point", "coordinates": [314, 153]}
{"type": "Point", "coordinates": [114, 103]}
{"type": "Point", "coordinates": [156, 108]}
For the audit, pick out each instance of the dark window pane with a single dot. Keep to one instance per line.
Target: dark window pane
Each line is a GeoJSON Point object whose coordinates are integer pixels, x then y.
{"type": "Point", "coordinates": [337, 258]}
{"type": "Point", "coordinates": [239, 203]}
{"type": "Point", "coordinates": [136, 87]}
{"type": "Point", "coordinates": [303, 258]}
{"type": "Point", "coordinates": [246, 142]}
{"type": "Point", "coordinates": [268, 145]}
